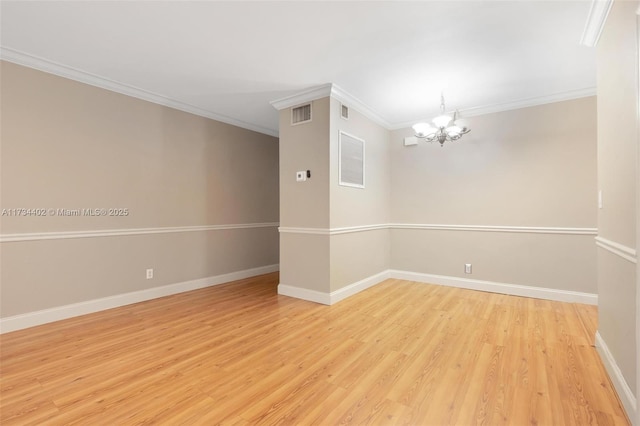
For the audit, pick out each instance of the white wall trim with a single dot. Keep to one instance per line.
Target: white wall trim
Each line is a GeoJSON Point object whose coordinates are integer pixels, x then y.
{"type": "Point", "coordinates": [51, 67]}
{"type": "Point", "coordinates": [490, 228]}
{"type": "Point", "coordinates": [304, 294]}
{"type": "Point", "coordinates": [32, 319]}
{"type": "Point", "coordinates": [332, 231]}
{"type": "Point", "coordinates": [308, 95]}
{"type": "Point", "coordinates": [448, 281]}
{"type": "Point", "coordinates": [621, 250]}
{"type": "Point", "coordinates": [497, 287]}
{"type": "Point", "coordinates": [334, 91]}
{"type": "Point", "coordinates": [518, 104]}
{"type": "Point", "coordinates": [480, 228]}
{"type": "Point", "coordinates": [351, 229]}
{"type": "Point", "coordinates": [595, 22]}
{"type": "Point", "coordinates": [351, 101]}
{"type": "Point", "coordinates": [34, 236]}
{"type": "Point", "coordinates": [357, 287]}
{"type": "Point", "coordinates": [619, 383]}
{"type": "Point", "coordinates": [294, 230]}
{"type": "Point", "coordinates": [334, 296]}
{"type": "Point", "coordinates": [311, 94]}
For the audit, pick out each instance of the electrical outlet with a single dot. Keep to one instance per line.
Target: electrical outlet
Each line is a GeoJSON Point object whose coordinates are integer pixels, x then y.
{"type": "Point", "coordinates": [149, 274]}
{"type": "Point", "coordinates": [467, 268]}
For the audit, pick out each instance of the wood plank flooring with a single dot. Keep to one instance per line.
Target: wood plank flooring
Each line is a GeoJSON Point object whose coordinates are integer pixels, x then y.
{"type": "Point", "coordinates": [239, 354]}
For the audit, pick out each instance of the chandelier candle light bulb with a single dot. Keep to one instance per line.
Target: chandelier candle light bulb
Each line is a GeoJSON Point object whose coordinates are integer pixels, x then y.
{"type": "Point", "coordinates": [446, 128]}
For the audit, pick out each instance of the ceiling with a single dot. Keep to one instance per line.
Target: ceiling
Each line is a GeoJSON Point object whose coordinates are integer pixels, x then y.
{"type": "Point", "coordinates": [228, 60]}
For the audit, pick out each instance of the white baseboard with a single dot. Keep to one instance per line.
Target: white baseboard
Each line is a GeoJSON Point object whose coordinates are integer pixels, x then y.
{"type": "Point", "coordinates": [496, 287]}
{"type": "Point", "coordinates": [334, 296]}
{"type": "Point", "coordinates": [32, 319]}
{"type": "Point", "coordinates": [619, 383]}
{"type": "Point", "coordinates": [357, 287]}
{"type": "Point", "coordinates": [304, 294]}
{"type": "Point", "coordinates": [490, 286]}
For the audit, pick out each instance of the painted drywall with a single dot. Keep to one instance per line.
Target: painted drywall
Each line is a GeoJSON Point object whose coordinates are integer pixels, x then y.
{"type": "Point", "coordinates": [554, 261]}
{"type": "Point", "coordinates": [305, 146]}
{"type": "Point", "coordinates": [638, 232]}
{"type": "Point", "coordinates": [617, 58]}
{"type": "Point", "coordinates": [68, 145]}
{"type": "Point", "coordinates": [531, 167]}
{"type": "Point", "coordinates": [527, 167]}
{"type": "Point", "coordinates": [322, 261]}
{"type": "Point", "coordinates": [359, 255]}
{"type": "Point", "coordinates": [370, 205]}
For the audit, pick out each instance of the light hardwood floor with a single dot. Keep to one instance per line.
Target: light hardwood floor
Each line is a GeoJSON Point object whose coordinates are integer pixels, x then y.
{"type": "Point", "coordinates": [397, 353]}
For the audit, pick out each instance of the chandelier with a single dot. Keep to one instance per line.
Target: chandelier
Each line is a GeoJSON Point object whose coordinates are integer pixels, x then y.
{"type": "Point", "coordinates": [445, 128]}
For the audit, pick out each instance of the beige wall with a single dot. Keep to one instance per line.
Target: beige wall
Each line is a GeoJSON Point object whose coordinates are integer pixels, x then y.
{"type": "Point", "coordinates": [618, 179]}
{"type": "Point", "coordinates": [65, 144]}
{"type": "Point", "coordinates": [359, 255]}
{"type": "Point", "coordinates": [305, 261]}
{"type": "Point", "coordinates": [527, 167]}
{"type": "Point", "coordinates": [304, 258]}
{"type": "Point", "coordinates": [305, 146]}
{"type": "Point", "coordinates": [324, 262]}
{"type": "Point", "coordinates": [360, 206]}
{"type": "Point", "coordinates": [531, 167]}
{"type": "Point", "coordinates": [552, 261]}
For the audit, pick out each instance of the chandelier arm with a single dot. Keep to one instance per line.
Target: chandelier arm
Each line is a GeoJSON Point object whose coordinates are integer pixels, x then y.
{"type": "Point", "coordinates": [451, 131]}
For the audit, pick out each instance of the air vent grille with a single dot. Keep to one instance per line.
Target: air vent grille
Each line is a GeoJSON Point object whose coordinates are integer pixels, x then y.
{"type": "Point", "coordinates": [344, 113]}
{"type": "Point", "coordinates": [301, 114]}
{"type": "Point", "coordinates": [351, 167]}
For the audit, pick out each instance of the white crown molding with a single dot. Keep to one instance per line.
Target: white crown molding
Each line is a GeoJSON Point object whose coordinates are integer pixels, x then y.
{"type": "Point", "coordinates": [508, 106]}
{"type": "Point", "coordinates": [31, 61]}
{"type": "Point", "coordinates": [31, 319]}
{"type": "Point", "coordinates": [311, 94]}
{"type": "Point", "coordinates": [595, 22]}
{"type": "Point", "coordinates": [334, 91]}
{"type": "Point", "coordinates": [307, 95]}
{"type": "Point", "coordinates": [618, 249]}
{"type": "Point", "coordinates": [619, 383]}
{"type": "Point", "coordinates": [439, 227]}
{"type": "Point", "coordinates": [35, 236]}
{"type": "Point", "coordinates": [352, 102]}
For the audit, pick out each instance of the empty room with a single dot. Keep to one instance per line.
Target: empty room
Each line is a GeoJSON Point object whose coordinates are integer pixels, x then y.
{"type": "Point", "coordinates": [320, 212]}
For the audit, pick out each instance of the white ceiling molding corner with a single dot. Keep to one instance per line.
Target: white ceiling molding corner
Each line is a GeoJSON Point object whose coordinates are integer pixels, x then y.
{"type": "Point", "coordinates": [334, 91]}
{"type": "Point", "coordinates": [507, 106]}
{"type": "Point", "coordinates": [352, 102]}
{"type": "Point", "coordinates": [595, 22]}
{"type": "Point", "coordinates": [41, 64]}
{"type": "Point", "coordinates": [308, 95]}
